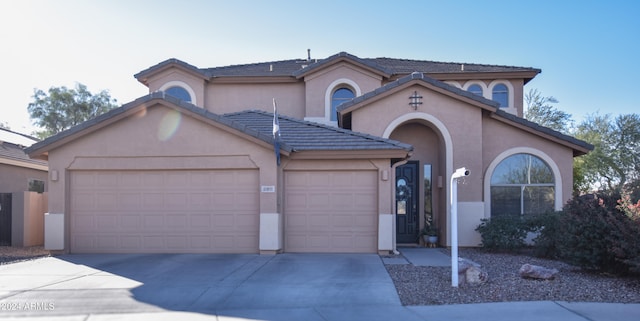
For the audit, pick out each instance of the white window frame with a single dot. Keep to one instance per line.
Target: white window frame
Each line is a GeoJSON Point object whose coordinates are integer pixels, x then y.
{"type": "Point", "coordinates": [511, 108]}
{"type": "Point", "coordinates": [485, 90]}
{"type": "Point", "coordinates": [328, 97]}
{"type": "Point", "coordinates": [183, 85]}
{"type": "Point", "coordinates": [522, 150]}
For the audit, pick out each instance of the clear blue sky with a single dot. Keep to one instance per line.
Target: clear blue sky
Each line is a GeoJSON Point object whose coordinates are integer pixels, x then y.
{"type": "Point", "coordinates": [589, 51]}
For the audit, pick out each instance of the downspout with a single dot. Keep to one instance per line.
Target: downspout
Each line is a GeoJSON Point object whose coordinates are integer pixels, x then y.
{"type": "Point", "coordinates": [393, 196]}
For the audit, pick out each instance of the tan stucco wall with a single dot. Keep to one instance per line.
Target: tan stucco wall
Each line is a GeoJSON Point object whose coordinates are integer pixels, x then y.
{"type": "Point", "coordinates": [224, 98]}
{"type": "Point", "coordinates": [16, 179]}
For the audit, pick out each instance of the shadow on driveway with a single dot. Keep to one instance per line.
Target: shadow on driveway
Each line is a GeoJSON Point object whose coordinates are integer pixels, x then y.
{"type": "Point", "coordinates": [216, 284]}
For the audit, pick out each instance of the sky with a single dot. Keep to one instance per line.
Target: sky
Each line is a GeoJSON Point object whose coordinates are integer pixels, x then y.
{"type": "Point", "coordinates": [588, 51]}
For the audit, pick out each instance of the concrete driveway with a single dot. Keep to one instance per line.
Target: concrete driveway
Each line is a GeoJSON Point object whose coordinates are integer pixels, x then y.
{"type": "Point", "coordinates": [281, 287]}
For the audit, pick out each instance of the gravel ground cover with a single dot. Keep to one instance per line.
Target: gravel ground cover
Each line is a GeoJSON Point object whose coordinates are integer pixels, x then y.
{"type": "Point", "coordinates": [10, 254]}
{"type": "Point", "coordinates": [420, 285]}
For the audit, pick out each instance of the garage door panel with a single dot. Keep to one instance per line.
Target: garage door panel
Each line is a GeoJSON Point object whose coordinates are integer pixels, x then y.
{"type": "Point", "coordinates": [164, 211]}
{"type": "Point", "coordinates": [331, 211]}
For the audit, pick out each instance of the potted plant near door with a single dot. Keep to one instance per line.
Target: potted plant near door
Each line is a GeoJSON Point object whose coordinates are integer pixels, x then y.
{"type": "Point", "coordinates": [430, 234]}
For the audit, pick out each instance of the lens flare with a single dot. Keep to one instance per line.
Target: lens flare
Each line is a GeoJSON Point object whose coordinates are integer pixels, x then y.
{"type": "Point", "coordinates": [169, 125]}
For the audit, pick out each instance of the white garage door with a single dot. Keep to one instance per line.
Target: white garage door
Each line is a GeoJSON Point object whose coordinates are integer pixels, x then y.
{"type": "Point", "coordinates": [331, 211]}
{"type": "Point", "coordinates": [200, 211]}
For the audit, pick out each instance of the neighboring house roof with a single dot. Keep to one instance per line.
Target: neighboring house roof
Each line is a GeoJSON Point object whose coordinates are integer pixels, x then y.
{"type": "Point", "coordinates": [580, 147]}
{"type": "Point", "coordinates": [296, 135]}
{"type": "Point", "coordinates": [388, 67]}
{"type": "Point", "coordinates": [299, 135]}
{"type": "Point", "coordinates": [12, 145]}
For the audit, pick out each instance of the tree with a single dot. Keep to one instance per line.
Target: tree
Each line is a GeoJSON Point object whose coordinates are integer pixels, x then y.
{"type": "Point", "coordinates": [540, 111]}
{"type": "Point", "coordinates": [615, 159]}
{"type": "Point", "coordinates": [62, 108]}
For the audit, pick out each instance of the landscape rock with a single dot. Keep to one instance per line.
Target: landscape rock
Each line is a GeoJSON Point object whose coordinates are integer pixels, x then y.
{"type": "Point", "coordinates": [471, 273]}
{"type": "Point", "coordinates": [529, 271]}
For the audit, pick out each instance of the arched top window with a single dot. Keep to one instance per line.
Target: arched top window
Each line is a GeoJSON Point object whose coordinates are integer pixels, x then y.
{"type": "Point", "coordinates": [500, 94]}
{"type": "Point", "coordinates": [522, 184]}
{"type": "Point", "coordinates": [178, 92]}
{"type": "Point", "coordinates": [475, 89]}
{"type": "Point", "coordinates": [339, 96]}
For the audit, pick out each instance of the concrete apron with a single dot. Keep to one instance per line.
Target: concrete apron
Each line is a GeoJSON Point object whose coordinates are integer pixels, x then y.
{"type": "Point", "coordinates": [116, 283]}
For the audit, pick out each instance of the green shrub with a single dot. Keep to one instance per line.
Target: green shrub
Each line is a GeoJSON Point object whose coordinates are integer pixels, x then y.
{"type": "Point", "coordinates": [593, 233]}
{"type": "Point", "coordinates": [503, 233]}
{"type": "Point", "coordinates": [548, 228]}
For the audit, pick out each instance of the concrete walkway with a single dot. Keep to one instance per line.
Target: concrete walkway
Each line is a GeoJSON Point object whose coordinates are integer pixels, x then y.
{"type": "Point", "coordinates": [323, 287]}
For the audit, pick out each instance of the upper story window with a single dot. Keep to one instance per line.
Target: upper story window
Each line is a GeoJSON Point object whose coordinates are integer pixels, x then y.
{"type": "Point", "coordinates": [500, 94]}
{"type": "Point", "coordinates": [475, 89]}
{"type": "Point", "coordinates": [178, 92]}
{"type": "Point", "coordinates": [338, 97]}
{"type": "Point", "coordinates": [522, 184]}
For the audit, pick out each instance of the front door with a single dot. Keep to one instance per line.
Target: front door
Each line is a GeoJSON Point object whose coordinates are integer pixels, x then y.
{"type": "Point", "coordinates": [407, 203]}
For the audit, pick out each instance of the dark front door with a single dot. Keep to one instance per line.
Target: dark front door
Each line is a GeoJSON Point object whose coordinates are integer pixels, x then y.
{"type": "Point", "coordinates": [5, 218]}
{"type": "Point", "coordinates": [407, 203]}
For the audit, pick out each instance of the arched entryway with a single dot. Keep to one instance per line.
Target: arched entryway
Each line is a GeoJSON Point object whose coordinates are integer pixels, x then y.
{"type": "Point", "coordinates": [421, 184]}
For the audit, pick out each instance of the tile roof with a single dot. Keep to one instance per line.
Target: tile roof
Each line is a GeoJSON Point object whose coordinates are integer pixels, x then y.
{"type": "Point", "coordinates": [12, 145]}
{"type": "Point", "coordinates": [300, 135]}
{"type": "Point", "coordinates": [296, 67]}
{"type": "Point", "coordinates": [17, 153]}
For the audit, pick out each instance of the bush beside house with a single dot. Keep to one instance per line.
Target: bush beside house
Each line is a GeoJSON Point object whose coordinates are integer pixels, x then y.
{"type": "Point", "coordinates": [596, 232]}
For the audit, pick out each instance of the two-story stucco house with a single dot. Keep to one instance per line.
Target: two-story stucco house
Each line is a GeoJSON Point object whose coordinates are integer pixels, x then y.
{"type": "Point", "coordinates": [366, 149]}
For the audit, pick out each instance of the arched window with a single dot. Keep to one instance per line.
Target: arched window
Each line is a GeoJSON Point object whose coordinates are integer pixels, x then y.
{"type": "Point", "coordinates": [522, 184]}
{"type": "Point", "coordinates": [500, 94]}
{"type": "Point", "coordinates": [339, 96]}
{"type": "Point", "coordinates": [179, 92]}
{"type": "Point", "coordinates": [475, 89]}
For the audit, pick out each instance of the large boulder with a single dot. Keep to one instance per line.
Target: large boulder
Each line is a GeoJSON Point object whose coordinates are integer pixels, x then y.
{"type": "Point", "coordinates": [530, 271]}
{"type": "Point", "coordinates": [471, 273]}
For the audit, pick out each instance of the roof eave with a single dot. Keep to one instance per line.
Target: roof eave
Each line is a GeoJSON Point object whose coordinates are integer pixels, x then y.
{"type": "Point", "coordinates": [526, 75]}
{"type": "Point", "coordinates": [143, 76]}
{"type": "Point", "coordinates": [342, 57]}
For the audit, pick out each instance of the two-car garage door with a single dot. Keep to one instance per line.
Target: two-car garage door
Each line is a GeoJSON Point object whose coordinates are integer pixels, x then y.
{"type": "Point", "coordinates": [164, 211]}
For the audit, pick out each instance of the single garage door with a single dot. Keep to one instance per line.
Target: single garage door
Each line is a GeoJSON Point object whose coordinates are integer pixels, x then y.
{"type": "Point", "coordinates": [177, 211]}
{"type": "Point", "coordinates": [331, 211]}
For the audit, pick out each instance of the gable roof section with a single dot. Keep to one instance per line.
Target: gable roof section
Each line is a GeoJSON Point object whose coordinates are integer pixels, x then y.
{"type": "Point", "coordinates": [169, 63]}
{"type": "Point", "coordinates": [128, 109]}
{"type": "Point", "coordinates": [297, 135]}
{"type": "Point", "coordinates": [298, 68]}
{"type": "Point", "coordinates": [415, 78]}
{"type": "Point", "coordinates": [343, 56]}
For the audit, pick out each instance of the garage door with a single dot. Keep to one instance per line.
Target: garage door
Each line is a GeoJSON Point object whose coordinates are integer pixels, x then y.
{"type": "Point", "coordinates": [164, 211]}
{"type": "Point", "coordinates": [331, 211]}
